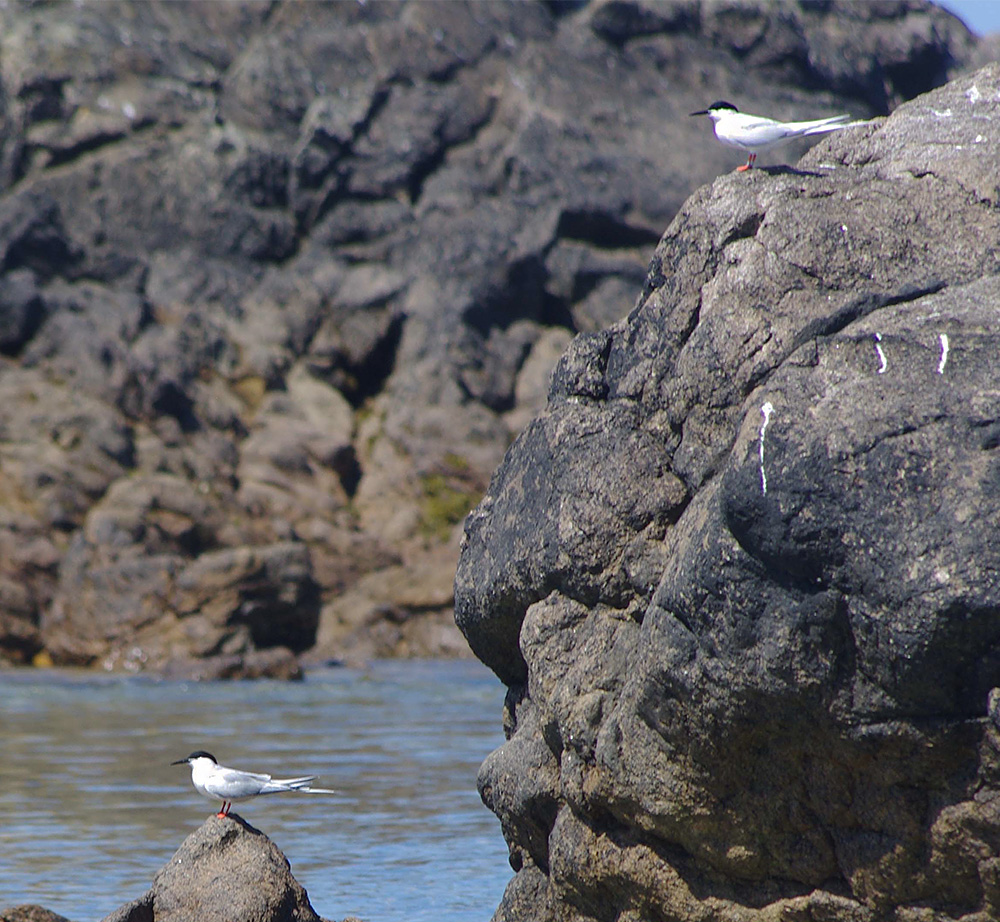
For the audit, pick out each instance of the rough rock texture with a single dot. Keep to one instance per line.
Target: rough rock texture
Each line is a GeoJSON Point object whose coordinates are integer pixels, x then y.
{"type": "Point", "coordinates": [227, 869]}
{"type": "Point", "coordinates": [742, 576]}
{"type": "Point", "coordinates": [30, 913]}
{"type": "Point", "coordinates": [279, 283]}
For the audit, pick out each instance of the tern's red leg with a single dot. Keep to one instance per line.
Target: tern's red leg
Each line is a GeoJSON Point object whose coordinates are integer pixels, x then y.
{"type": "Point", "coordinates": [748, 165]}
{"type": "Point", "coordinates": [225, 809]}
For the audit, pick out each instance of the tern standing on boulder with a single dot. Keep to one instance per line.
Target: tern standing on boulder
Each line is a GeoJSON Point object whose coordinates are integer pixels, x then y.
{"type": "Point", "coordinates": [755, 133]}
{"type": "Point", "coordinates": [216, 782]}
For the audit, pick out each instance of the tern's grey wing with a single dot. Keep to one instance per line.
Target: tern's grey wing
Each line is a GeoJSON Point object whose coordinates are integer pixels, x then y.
{"type": "Point", "coordinates": [756, 133]}
{"type": "Point", "coordinates": [766, 133]}
{"type": "Point", "coordinates": [302, 785]}
{"type": "Point", "coordinates": [288, 784]}
{"type": "Point", "coordinates": [750, 132]}
{"type": "Point", "coordinates": [821, 125]}
{"type": "Point", "coordinates": [232, 784]}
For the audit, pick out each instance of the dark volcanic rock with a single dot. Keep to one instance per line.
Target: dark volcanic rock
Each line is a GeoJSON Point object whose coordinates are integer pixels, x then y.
{"type": "Point", "coordinates": [311, 264]}
{"type": "Point", "coordinates": [224, 870]}
{"type": "Point", "coordinates": [741, 576]}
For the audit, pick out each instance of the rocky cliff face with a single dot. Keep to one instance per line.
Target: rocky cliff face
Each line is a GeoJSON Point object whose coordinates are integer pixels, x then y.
{"type": "Point", "coordinates": [742, 576]}
{"type": "Point", "coordinates": [280, 282]}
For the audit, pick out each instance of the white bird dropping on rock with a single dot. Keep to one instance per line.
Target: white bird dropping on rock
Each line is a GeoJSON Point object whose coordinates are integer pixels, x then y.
{"type": "Point", "coordinates": [883, 364]}
{"type": "Point", "coordinates": [943, 339]}
{"type": "Point", "coordinates": [765, 411]}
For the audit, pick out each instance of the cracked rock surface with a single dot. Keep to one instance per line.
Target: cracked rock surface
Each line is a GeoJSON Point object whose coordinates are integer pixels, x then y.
{"type": "Point", "coordinates": [742, 576]}
{"type": "Point", "coordinates": [280, 282]}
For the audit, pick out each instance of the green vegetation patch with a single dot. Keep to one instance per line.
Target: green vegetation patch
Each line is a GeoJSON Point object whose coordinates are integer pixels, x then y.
{"type": "Point", "coordinates": [446, 501]}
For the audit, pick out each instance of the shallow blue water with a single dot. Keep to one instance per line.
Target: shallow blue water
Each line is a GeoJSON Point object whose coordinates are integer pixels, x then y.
{"type": "Point", "coordinates": [90, 807]}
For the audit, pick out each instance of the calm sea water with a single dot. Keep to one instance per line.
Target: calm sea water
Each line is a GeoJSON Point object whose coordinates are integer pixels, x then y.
{"type": "Point", "coordinates": [90, 807]}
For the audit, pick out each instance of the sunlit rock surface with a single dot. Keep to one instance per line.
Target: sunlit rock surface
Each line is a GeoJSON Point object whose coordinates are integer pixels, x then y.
{"type": "Point", "coordinates": [281, 282]}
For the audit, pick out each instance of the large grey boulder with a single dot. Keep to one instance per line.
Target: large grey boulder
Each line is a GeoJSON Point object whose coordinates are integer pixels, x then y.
{"type": "Point", "coordinates": [226, 869]}
{"type": "Point", "coordinates": [741, 576]}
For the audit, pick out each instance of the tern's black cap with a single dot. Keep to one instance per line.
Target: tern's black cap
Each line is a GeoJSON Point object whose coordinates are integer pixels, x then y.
{"type": "Point", "coordinates": [197, 754]}
{"type": "Point", "coordinates": [718, 104]}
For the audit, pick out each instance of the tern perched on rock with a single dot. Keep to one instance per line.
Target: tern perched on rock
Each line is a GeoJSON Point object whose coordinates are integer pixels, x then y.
{"type": "Point", "coordinates": [754, 133]}
{"type": "Point", "coordinates": [216, 782]}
